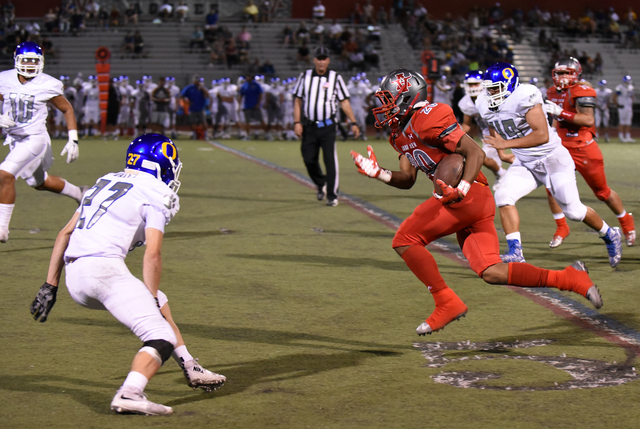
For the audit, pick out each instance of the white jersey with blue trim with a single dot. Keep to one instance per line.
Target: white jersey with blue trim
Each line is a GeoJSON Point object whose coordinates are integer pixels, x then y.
{"type": "Point", "coordinates": [26, 103]}
{"type": "Point", "coordinates": [603, 98]}
{"type": "Point", "coordinates": [115, 212]}
{"type": "Point", "coordinates": [509, 119]}
{"type": "Point", "coordinates": [468, 107]}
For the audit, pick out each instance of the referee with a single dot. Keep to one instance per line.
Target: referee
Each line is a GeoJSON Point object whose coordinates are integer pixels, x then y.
{"type": "Point", "coordinates": [314, 113]}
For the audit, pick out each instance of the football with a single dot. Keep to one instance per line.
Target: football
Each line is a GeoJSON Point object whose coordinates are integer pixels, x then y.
{"type": "Point", "coordinates": [449, 170]}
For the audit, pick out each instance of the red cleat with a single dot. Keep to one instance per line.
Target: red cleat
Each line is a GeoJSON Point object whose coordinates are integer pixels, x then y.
{"type": "Point", "coordinates": [448, 308]}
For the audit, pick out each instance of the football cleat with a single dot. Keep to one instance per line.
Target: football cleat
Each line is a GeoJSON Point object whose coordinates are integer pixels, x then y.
{"type": "Point", "coordinates": [556, 241]}
{"type": "Point", "coordinates": [130, 400]}
{"type": "Point", "coordinates": [613, 240]}
{"type": "Point", "coordinates": [630, 238]}
{"type": "Point", "coordinates": [332, 203]}
{"type": "Point", "coordinates": [197, 376]}
{"type": "Point", "coordinates": [593, 294]}
{"type": "Point", "coordinates": [451, 308]}
{"type": "Point", "coordinates": [514, 252]}
{"type": "Point", "coordinates": [322, 192]}
{"type": "Point", "coordinates": [4, 235]}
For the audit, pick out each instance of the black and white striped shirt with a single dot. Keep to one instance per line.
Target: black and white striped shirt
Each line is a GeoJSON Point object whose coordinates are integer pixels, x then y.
{"type": "Point", "coordinates": [320, 94]}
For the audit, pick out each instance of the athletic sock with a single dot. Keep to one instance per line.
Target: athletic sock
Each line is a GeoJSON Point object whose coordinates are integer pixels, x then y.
{"type": "Point", "coordinates": [562, 228]}
{"type": "Point", "coordinates": [424, 267]}
{"type": "Point", "coordinates": [181, 354]}
{"type": "Point", "coordinates": [5, 215]}
{"type": "Point", "coordinates": [605, 228]}
{"type": "Point", "coordinates": [72, 191]}
{"type": "Point", "coordinates": [527, 275]}
{"type": "Point", "coordinates": [514, 236]}
{"type": "Point", "coordinates": [136, 380]}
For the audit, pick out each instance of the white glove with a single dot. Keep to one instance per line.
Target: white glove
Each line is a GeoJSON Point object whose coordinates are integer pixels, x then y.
{"type": "Point", "coordinates": [552, 108]}
{"type": "Point", "coordinates": [71, 148]}
{"type": "Point", "coordinates": [369, 166]}
{"type": "Point", "coordinates": [6, 121]}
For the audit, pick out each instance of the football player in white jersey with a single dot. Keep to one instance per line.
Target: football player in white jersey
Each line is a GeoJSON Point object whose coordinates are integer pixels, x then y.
{"type": "Point", "coordinates": [173, 106]}
{"type": "Point", "coordinates": [91, 116]}
{"type": "Point", "coordinates": [287, 121]}
{"type": "Point", "coordinates": [467, 104]}
{"type": "Point", "coordinates": [120, 212]}
{"type": "Point", "coordinates": [24, 92]}
{"type": "Point", "coordinates": [623, 98]}
{"type": "Point", "coordinates": [442, 91]}
{"type": "Point", "coordinates": [274, 100]}
{"type": "Point", "coordinates": [359, 93]}
{"type": "Point", "coordinates": [603, 102]}
{"type": "Point", "coordinates": [125, 117]}
{"type": "Point", "coordinates": [518, 122]}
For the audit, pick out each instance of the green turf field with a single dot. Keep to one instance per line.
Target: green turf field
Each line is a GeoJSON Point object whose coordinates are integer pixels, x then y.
{"type": "Point", "coordinates": [310, 313]}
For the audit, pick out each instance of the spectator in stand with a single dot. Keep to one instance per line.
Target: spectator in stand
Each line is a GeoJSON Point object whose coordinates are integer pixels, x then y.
{"type": "Point", "coordinates": [197, 39]}
{"type": "Point", "coordinates": [303, 34]}
{"type": "Point", "coordinates": [368, 13]}
{"type": "Point", "coordinates": [318, 34]}
{"type": "Point", "coordinates": [166, 11]}
{"type": "Point", "coordinates": [64, 20]}
{"type": "Point", "coordinates": [267, 69]}
{"type": "Point", "coordinates": [128, 44]}
{"type": "Point", "coordinates": [50, 21]}
{"type": "Point", "coordinates": [420, 12]}
{"type": "Point", "coordinates": [138, 43]}
{"type": "Point", "coordinates": [598, 63]}
{"type": "Point", "coordinates": [244, 36]}
{"type": "Point", "coordinates": [211, 20]}
{"type": "Point", "coordinates": [356, 15]}
{"type": "Point", "coordinates": [243, 53]}
{"type": "Point", "coordinates": [382, 17]}
{"type": "Point", "coordinates": [103, 18]}
{"type": "Point", "coordinates": [182, 11]}
{"type": "Point", "coordinates": [217, 55]}
{"type": "Point", "coordinates": [288, 38]}
{"type": "Point", "coordinates": [131, 15]}
{"type": "Point", "coordinates": [318, 11]}
{"type": "Point", "coordinates": [77, 21]}
{"type": "Point", "coordinates": [231, 53]}
{"type": "Point", "coordinates": [251, 12]}
{"type": "Point", "coordinates": [92, 9]}
{"type": "Point", "coordinates": [264, 11]}
{"type": "Point", "coordinates": [303, 54]}
{"type": "Point", "coordinates": [33, 31]}
{"type": "Point", "coordinates": [335, 31]}
{"type": "Point", "coordinates": [9, 11]}
{"type": "Point", "coordinates": [114, 16]}
{"type": "Point", "coordinates": [47, 48]}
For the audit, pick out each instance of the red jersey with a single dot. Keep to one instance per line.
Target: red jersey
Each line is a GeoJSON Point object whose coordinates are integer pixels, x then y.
{"type": "Point", "coordinates": [430, 135]}
{"type": "Point", "coordinates": [572, 135]}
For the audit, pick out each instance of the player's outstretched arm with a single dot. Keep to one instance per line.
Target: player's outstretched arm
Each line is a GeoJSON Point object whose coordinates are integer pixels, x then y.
{"type": "Point", "coordinates": [46, 297]}
{"type": "Point", "coordinates": [403, 179]}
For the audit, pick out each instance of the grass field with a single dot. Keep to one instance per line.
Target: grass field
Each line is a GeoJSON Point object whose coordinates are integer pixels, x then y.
{"type": "Point", "coordinates": [311, 315]}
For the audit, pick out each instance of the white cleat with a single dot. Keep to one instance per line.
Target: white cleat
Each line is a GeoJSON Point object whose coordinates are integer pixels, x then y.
{"type": "Point", "coordinates": [197, 376]}
{"type": "Point", "coordinates": [132, 401]}
{"type": "Point", "coordinates": [556, 242]}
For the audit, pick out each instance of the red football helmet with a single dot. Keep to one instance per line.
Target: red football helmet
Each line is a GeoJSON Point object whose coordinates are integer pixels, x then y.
{"type": "Point", "coordinates": [566, 72]}
{"type": "Point", "coordinates": [399, 91]}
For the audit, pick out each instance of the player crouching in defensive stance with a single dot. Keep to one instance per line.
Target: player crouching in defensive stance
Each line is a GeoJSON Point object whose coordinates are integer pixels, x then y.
{"type": "Point", "coordinates": [119, 213]}
{"type": "Point", "coordinates": [24, 93]}
{"type": "Point", "coordinates": [424, 134]}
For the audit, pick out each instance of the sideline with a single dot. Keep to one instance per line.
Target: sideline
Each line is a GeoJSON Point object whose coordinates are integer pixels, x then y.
{"type": "Point", "coordinates": [573, 311]}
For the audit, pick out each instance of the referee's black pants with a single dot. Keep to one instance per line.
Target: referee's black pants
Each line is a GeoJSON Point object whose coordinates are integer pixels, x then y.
{"type": "Point", "coordinates": [314, 139]}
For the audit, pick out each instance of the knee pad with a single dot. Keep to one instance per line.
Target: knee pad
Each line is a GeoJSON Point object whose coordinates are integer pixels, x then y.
{"type": "Point", "coordinates": [160, 350]}
{"type": "Point", "coordinates": [603, 194]}
{"type": "Point", "coordinates": [576, 212]}
{"type": "Point", "coordinates": [503, 198]}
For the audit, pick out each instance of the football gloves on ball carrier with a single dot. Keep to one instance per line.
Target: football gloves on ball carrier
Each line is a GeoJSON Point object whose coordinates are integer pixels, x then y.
{"type": "Point", "coordinates": [369, 166]}
{"type": "Point", "coordinates": [451, 195]}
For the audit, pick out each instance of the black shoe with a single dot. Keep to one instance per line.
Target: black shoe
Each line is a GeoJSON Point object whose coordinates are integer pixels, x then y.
{"type": "Point", "coordinates": [332, 203]}
{"type": "Point", "coordinates": [322, 192]}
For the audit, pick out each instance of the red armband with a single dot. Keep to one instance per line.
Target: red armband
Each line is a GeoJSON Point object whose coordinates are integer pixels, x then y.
{"type": "Point", "coordinates": [567, 116]}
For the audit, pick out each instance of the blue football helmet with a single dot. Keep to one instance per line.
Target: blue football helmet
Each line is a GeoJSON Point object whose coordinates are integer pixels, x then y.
{"type": "Point", "coordinates": [500, 80]}
{"type": "Point", "coordinates": [157, 155]}
{"type": "Point", "coordinates": [603, 82]}
{"type": "Point", "coordinates": [533, 81]}
{"type": "Point", "coordinates": [473, 83]}
{"type": "Point", "coordinates": [626, 79]}
{"type": "Point", "coordinates": [28, 59]}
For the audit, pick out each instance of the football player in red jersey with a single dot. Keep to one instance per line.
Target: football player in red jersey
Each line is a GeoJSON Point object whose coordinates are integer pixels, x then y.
{"type": "Point", "coordinates": [572, 105]}
{"type": "Point", "coordinates": [423, 134]}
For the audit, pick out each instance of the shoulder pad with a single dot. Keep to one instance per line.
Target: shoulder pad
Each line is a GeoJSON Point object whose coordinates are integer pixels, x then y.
{"type": "Point", "coordinates": [586, 101]}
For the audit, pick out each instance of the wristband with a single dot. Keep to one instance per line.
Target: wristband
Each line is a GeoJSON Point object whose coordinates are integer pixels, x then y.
{"type": "Point", "coordinates": [566, 116]}
{"type": "Point", "coordinates": [351, 124]}
{"type": "Point", "coordinates": [464, 187]}
{"type": "Point", "coordinates": [73, 135]}
{"type": "Point", "coordinates": [384, 176]}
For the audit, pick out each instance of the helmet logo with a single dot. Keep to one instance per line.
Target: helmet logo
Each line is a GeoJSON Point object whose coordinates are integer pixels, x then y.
{"type": "Point", "coordinates": [507, 73]}
{"type": "Point", "coordinates": [171, 153]}
{"type": "Point", "coordinates": [402, 82]}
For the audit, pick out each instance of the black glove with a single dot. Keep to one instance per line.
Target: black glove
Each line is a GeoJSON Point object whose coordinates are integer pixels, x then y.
{"type": "Point", "coordinates": [44, 301]}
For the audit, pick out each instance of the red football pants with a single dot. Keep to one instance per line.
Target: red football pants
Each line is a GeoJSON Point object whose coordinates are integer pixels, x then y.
{"type": "Point", "coordinates": [590, 164]}
{"type": "Point", "coordinates": [471, 220]}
